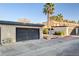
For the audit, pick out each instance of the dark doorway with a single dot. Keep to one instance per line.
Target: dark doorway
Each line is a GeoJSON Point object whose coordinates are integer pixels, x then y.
{"type": "Point", "coordinates": [73, 32]}
{"type": "Point", "coordinates": [78, 31]}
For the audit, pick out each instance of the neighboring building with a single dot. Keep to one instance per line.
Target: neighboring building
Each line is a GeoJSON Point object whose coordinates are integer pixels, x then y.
{"type": "Point", "coordinates": [24, 20]}
{"type": "Point", "coordinates": [67, 27]}
{"type": "Point", "coordinates": [11, 32]}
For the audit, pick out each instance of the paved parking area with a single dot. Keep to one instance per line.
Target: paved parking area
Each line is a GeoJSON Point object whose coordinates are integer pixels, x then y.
{"type": "Point", "coordinates": [66, 46]}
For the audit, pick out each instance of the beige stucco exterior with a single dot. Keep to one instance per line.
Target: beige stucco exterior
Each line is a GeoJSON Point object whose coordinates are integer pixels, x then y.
{"type": "Point", "coordinates": [8, 32]}
{"type": "Point", "coordinates": [67, 30]}
{"type": "Point", "coordinates": [67, 27]}
{"type": "Point", "coordinates": [57, 29]}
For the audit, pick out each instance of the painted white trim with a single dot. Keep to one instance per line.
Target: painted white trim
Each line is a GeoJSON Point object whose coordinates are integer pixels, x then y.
{"type": "Point", "coordinates": [67, 32]}
{"type": "Point", "coordinates": [76, 31]}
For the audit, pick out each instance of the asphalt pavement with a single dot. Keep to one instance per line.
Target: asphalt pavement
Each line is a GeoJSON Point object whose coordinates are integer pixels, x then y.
{"type": "Point", "coordinates": [67, 46]}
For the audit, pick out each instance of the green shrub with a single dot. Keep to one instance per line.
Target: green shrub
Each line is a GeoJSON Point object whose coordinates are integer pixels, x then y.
{"type": "Point", "coordinates": [45, 31]}
{"type": "Point", "coordinates": [59, 33]}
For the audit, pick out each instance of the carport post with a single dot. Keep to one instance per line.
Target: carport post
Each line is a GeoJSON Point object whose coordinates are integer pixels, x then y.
{"type": "Point", "coordinates": [67, 30]}
{"type": "Point", "coordinates": [76, 31]}
{"type": "Point", "coordinates": [41, 33]}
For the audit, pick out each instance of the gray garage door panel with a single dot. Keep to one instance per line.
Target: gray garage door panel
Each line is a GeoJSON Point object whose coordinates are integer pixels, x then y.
{"type": "Point", "coordinates": [26, 34]}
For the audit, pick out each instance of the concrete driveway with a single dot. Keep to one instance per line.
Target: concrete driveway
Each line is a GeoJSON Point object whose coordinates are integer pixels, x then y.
{"type": "Point", "coordinates": [68, 46]}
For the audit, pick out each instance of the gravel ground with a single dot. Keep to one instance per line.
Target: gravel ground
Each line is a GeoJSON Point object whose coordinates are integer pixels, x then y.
{"type": "Point", "coordinates": [67, 46]}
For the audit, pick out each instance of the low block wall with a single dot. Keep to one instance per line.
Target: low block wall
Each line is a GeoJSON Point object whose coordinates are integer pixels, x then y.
{"type": "Point", "coordinates": [56, 29]}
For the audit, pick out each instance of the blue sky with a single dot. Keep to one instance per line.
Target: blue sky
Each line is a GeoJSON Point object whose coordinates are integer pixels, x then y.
{"type": "Point", "coordinates": [34, 11]}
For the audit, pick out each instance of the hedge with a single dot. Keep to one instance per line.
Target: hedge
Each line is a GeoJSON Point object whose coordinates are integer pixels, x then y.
{"type": "Point", "coordinates": [59, 33]}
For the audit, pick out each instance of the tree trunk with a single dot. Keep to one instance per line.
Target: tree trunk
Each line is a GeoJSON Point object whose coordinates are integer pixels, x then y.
{"type": "Point", "coordinates": [49, 26]}
{"type": "Point", "coordinates": [49, 23]}
{"type": "Point", "coordinates": [48, 20]}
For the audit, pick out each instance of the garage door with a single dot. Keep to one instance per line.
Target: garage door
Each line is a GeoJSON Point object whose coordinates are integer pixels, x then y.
{"type": "Point", "coordinates": [26, 34]}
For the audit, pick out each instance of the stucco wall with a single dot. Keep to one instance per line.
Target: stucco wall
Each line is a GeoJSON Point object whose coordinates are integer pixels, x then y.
{"type": "Point", "coordinates": [56, 29]}
{"type": "Point", "coordinates": [68, 30]}
{"type": "Point", "coordinates": [41, 33]}
{"type": "Point", "coordinates": [8, 34]}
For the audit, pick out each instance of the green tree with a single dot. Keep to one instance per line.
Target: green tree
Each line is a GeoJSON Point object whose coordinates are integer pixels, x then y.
{"type": "Point", "coordinates": [60, 17]}
{"type": "Point", "coordinates": [48, 10]}
{"type": "Point", "coordinates": [55, 18]}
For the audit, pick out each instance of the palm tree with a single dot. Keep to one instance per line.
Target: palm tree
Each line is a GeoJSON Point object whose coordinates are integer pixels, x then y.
{"type": "Point", "coordinates": [60, 17]}
{"type": "Point", "coordinates": [48, 10]}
